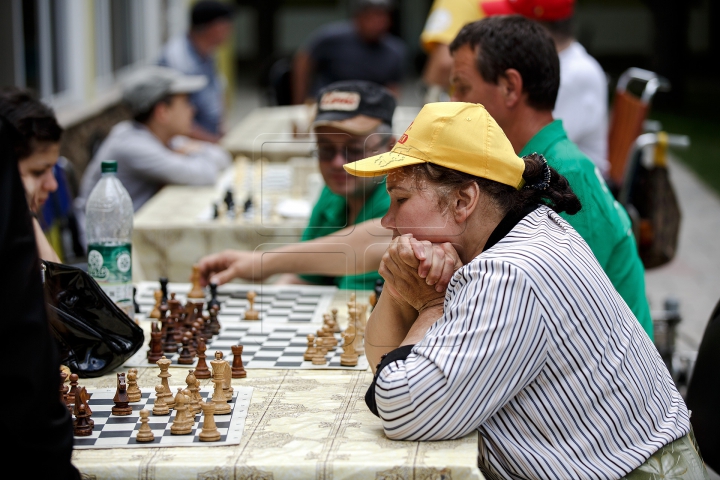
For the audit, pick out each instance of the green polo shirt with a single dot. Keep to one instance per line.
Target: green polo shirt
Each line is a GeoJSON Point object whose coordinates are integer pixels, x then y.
{"type": "Point", "coordinates": [602, 221]}
{"type": "Point", "coordinates": [330, 215]}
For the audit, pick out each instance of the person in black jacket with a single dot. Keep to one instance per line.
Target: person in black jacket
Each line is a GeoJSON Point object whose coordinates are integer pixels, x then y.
{"type": "Point", "coordinates": [37, 423]}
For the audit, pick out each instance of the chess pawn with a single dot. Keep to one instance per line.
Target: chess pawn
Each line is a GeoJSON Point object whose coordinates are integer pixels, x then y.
{"type": "Point", "coordinates": [202, 370]}
{"type": "Point", "coordinates": [311, 350]}
{"type": "Point", "coordinates": [319, 358]}
{"type": "Point", "coordinates": [218, 398]}
{"type": "Point", "coordinates": [160, 408]}
{"type": "Point", "coordinates": [181, 425]}
{"type": "Point", "coordinates": [63, 388]}
{"type": "Point", "coordinates": [372, 300]}
{"type": "Point", "coordinates": [209, 432]}
{"type": "Point", "coordinates": [192, 382]}
{"type": "Point", "coordinates": [186, 357]}
{"type": "Point", "coordinates": [155, 313]}
{"type": "Point", "coordinates": [134, 393]}
{"type": "Point", "coordinates": [82, 428]}
{"type": "Point", "coordinates": [214, 323]}
{"type": "Point", "coordinates": [156, 345]}
{"type": "Point", "coordinates": [81, 398]}
{"type": "Point", "coordinates": [121, 400]}
{"type": "Point", "coordinates": [251, 313]}
{"type": "Point", "coordinates": [227, 382]}
{"type": "Point", "coordinates": [174, 305]}
{"type": "Point", "coordinates": [193, 407]}
{"type": "Point", "coordinates": [196, 392]}
{"type": "Point", "coordinates": [330, 340]}
{"type": "Point", "coordinates": [213, 296]}
{"type": "Point", "coordinates": [196, 291]}
{"type": "Point", "coordinates": [73, 388]}
{"type": "Point", "coordinates": [164, 364]}
{"type": "Point", "coordinates": [348, 358]}
{"type": "Point", "coordinates": [145, 434]}
{"type": "Point", "coordinates": [238, 370]}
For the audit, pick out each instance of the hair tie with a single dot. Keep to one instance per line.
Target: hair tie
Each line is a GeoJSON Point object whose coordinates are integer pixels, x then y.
{"type": "Point", "coordinates": [545, 183]}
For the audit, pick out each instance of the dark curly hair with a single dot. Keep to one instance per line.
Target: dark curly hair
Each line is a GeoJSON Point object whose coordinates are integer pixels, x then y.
{"type": "Point", "coordinates": [513, 41]}
{"type": "Point", "coordinates": [34, 120]}
{"type": "Point", "coordinates": [558, 195]}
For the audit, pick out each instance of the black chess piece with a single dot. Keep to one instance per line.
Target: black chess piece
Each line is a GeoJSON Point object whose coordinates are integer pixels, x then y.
{"type": "Point", "coordinates": [213, 297]}
{"type": "Point", "coordinates": [135, 304]}
{"type": "Point", "coordinates": [378, 288]}
{"type": "Point", "coordinates": [229, 201]}
{"type": "Point", "coordinates": [164, 289]}
{"type": "Point", "coordinates": [248, 204]}
{"type": "Point", "coordinates": [216, 210]}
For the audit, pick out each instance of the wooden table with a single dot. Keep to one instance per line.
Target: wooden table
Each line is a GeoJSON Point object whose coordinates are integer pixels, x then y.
{"type": "Point", "coordinates": [175, 228]}
{"type": "Point", "coordinates": [300, 424]}
{"type": "Point", "coordinates": [279, 133]}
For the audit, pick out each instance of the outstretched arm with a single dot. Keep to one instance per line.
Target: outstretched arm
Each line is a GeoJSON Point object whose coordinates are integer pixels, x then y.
{"type": "Point", "coordinates": [352, 250]}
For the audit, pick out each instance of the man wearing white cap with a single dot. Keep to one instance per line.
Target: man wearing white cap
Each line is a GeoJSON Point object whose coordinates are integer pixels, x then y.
{"type": "Point", "coordinates": [152, 149]}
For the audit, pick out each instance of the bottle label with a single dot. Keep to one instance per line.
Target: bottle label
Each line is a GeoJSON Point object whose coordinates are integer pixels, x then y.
{"type": "Point", "coordinates": [111, 267]}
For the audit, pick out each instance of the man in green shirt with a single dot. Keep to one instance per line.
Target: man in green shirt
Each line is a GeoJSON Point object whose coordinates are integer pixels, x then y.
{"type": "Point", "coordinates": [510, 65]}
{"type": "Point", "coordinates": [341, 244]}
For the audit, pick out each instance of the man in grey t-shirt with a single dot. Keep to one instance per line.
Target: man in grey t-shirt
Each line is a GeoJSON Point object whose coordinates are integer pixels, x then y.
{"type": "Point", "coordinates": [152, 150]}
{"type": "Point", "coordinates": [361, 49]}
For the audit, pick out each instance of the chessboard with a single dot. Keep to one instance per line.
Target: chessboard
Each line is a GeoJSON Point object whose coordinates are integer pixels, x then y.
{"type": "Point", "coordinates": [281, 347]}
{"type": "Point", "coordinates": [111, 431]}
{"type": "Point", "coordinates": [291, 304]}
{"type": "Point", "coordinates": [277, 340]}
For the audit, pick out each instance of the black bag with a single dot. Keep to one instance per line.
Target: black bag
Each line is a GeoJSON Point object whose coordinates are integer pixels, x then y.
{"type": "Point", "coordinates": [94, 335]}
{"type": "Point", "coordinates": [658, 227]}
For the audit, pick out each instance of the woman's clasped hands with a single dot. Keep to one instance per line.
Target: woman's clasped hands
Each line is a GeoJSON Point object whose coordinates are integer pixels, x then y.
{"type": "Point", "coordinates": [417, 272]}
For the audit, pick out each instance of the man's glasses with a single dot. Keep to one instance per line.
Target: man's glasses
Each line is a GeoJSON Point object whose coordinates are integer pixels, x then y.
{"type": "Point", "coordinates": [327, 152]}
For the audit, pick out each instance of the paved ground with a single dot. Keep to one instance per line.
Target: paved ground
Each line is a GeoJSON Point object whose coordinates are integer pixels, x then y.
{"type": "Point", "coordinates": [693, 277]}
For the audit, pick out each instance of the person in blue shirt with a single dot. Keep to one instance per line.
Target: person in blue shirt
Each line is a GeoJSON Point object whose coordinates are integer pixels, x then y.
{"type": "Point", "coordinates": [193, 53]}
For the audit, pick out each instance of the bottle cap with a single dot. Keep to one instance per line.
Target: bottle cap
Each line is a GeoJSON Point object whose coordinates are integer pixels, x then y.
{"type": "Point", "coordinates": [108, 166]}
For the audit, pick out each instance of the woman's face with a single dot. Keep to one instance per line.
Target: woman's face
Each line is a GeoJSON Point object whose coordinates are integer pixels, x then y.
{"type": "Point", "coordinates": [415, 209]}
{"type": "Point", "coordinates": [37, 174]}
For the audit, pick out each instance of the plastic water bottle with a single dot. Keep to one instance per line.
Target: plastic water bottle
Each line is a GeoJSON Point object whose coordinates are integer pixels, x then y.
{"type": "Point", "coordinates": [108, 229]}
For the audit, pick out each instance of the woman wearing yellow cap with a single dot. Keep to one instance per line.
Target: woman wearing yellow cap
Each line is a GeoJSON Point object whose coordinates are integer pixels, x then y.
{"type": "Point", "coordinates": [530, 344]}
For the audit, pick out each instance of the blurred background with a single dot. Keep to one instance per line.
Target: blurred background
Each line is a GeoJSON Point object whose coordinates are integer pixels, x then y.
{"type": "Point", "coordinates": [74, 52]}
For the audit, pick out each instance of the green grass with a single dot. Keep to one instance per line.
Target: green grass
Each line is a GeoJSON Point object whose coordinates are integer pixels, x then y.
{"type": "Point", "coordinates": [703, 156]}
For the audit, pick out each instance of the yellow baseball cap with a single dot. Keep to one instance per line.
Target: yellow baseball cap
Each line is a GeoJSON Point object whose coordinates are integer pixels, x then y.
{"type": "Point", "coordinates": [456, 135]}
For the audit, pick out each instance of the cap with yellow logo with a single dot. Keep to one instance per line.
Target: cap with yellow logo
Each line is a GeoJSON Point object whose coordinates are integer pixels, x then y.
{"type": "Point", "coordinates": [456, 135]}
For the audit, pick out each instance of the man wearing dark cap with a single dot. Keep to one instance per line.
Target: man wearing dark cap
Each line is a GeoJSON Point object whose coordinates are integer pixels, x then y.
{"type": "Point", "coordinates": [193, 53]}
{"type": "Point", "coordinates": [360, 49]}
{"type": "Point", "coordinates": [353, 121]}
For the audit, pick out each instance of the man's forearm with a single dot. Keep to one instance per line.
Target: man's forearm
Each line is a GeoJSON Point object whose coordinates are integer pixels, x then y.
{"type": "Point", "coordinates": [351, 251]}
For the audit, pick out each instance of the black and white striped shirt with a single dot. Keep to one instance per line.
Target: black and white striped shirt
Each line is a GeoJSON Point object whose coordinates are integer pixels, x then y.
{"type": "Point", "coordinates": [539, 353]}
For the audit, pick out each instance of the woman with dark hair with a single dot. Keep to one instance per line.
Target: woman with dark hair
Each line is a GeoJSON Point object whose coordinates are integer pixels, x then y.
{"type": "Point", "coordinates": [530, 344]}
{"type": "Point", "coordinates": [38, 422]}
{"type": "Point", "coordinates": [37, 150]}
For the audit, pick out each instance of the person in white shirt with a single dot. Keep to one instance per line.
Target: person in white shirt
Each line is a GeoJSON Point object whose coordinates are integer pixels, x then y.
{"type": "Point", "coordinates": [582, 101]}
{"type": "Point", "coordinates": [530, 345]}
{"type": "Point", "coordinates": [152, 150]}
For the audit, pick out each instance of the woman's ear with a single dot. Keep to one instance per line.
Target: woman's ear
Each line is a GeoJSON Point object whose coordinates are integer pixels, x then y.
{"type": "Point", "coordinates": [466, 201]}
